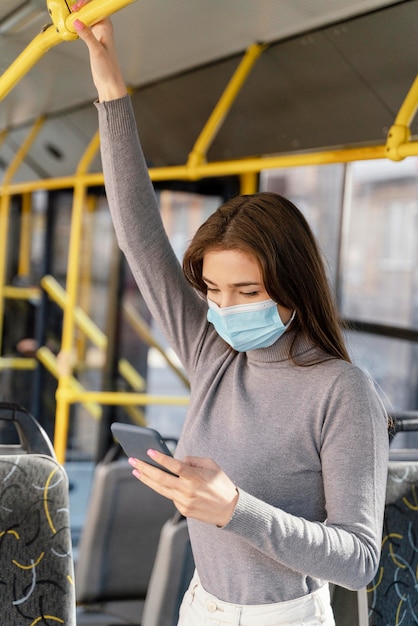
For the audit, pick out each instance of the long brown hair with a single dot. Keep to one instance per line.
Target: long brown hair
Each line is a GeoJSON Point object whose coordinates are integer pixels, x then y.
{"type": "Point", "coordinates": [272, 229]}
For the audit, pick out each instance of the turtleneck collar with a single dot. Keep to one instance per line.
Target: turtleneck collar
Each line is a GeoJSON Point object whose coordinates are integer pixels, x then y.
{"type": "Point", "coordinates": [280, 350]}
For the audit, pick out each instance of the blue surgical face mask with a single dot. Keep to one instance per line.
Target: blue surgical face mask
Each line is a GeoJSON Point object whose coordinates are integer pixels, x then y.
{"type": "Point", "coordinates": [248, 326]}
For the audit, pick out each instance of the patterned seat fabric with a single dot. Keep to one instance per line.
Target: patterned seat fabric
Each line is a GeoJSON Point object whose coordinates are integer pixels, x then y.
{"type": "Point", "coordinates": [36, 565]}
{"type": "Point", "coordinates": [393, 594]}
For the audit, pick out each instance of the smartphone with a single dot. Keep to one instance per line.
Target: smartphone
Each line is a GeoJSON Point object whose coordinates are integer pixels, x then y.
{"type": "Point", "coordinates": [136, 440]}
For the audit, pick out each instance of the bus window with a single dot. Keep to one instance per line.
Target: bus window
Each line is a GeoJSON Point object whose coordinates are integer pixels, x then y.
{"type": "Point", "coordinates": [317, 192]}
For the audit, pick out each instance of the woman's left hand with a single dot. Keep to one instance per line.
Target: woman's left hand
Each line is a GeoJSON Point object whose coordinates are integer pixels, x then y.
{"type": "Point", "coordinates": [199, 489]}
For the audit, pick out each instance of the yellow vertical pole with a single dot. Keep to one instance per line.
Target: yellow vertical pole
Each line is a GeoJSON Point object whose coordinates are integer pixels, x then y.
{"type": "Point", "coordinates": [25, 236]}
{"type": "Point", "coordinates": [248, 183]}
{"type": "Point", "coordinates": [5, 202]}
{"type": "Point", "coordinates": [67, 343]}
{"type": "Point", "coordinates": [4, 227]}
{"type": "Point", "coordinates": [85, 271]}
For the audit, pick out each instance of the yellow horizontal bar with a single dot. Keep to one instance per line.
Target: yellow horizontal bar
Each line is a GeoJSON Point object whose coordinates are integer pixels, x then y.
{"type": "Point", "coordinates": [21, 293]}
{"type": "Point", "coordinates": [120, 398]}
{"type": "Point", "coordinates": [219, 168]}
{"type": "Point", "coordinates": [17, 363]}
{"type": "Point", "coordinates": [95, 11]}
{"type": "Point", "coordinates": [408, 149]}
{"type": "Point", "coordinates": [49, 361]}
{"type": "Point", "coordinates": [243, 166]}
{"type": "Point", "coordinates": [50, 184]}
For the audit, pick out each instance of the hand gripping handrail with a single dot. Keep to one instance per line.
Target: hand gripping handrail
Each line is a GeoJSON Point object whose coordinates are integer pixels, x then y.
{"type": "Point", "coordinates": [61, 29]}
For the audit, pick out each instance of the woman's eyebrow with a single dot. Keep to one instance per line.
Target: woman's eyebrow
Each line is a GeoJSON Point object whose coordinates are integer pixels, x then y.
{"type": "Point", "coordinates": [246, 283]}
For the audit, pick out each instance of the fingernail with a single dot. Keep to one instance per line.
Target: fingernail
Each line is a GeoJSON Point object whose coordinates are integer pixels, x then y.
{"type": "Point", "coordinates": [78, 25]}
{"type": "Point", "coordinates": [152, 453]}
{"type": "Point", "coordinates": [132, 461]}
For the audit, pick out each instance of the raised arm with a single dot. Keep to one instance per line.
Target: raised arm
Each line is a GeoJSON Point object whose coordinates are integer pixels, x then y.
{"type": "Point", "coordinates": [104, 63]}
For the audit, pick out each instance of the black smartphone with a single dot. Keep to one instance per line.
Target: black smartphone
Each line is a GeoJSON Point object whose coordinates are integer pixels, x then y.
{"type": "Point", "coordinates": [136, 440]}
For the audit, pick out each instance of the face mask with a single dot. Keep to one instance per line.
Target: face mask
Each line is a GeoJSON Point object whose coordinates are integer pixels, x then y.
{"type": "Point", "coordinates": [248, 326]}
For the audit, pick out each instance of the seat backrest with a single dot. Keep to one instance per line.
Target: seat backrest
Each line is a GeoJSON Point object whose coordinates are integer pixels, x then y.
{"type": "Point", "coordinates": [120, 536]}
{"type": "Point", "coordinates": [171, 575]}
{"type": "Point", "coordinates": [392, 596]}
{"type": "Point", "coordinates": [36, 565]}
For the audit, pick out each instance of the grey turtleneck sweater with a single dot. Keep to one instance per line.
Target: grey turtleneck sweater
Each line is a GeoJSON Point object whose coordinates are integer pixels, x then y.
{"type": "Point", "coordinates": [306, 446]}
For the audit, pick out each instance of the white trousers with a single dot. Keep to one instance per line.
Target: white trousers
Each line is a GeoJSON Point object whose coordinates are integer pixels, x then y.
{"type": "Point", "coordinates": [200, 608]}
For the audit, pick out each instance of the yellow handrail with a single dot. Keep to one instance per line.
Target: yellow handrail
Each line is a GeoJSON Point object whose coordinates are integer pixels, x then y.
{"type": "Point", "coordinates": [224, 104]}
{"type": "Point", "coordinates": [86, 270]}
{"type": "Point", "coordinates": [143, 330]}
{"type": "Point", "coordinates": [21, 293]}
{"type": "Point", "coordinates": [397, 147]}
{"type": "Point", "coordinates": [21, 153]}
{"type": "Point", "coordinates": [398, 144]}
{"type": "Point", "coordinates": [67, 343]}
{"type": "Point", "coordinates": [215, 168]}
{"type": "Point", "coordinates": [17, 363]}
{"type": "Point", "coordinates": [25, 239]}
{"type": "Point", "coordinates": [91, 330]}
{"type": "Point", "coordinates": [59, 296]}
{"type": "Point", "coordinates": [248, 183]}
{"type": "Point", "coordinates": [121, 398]}
{"type": "Point", "coordinates": [62, 29]}
{"type": "Point", "coordinates": [50, 362]}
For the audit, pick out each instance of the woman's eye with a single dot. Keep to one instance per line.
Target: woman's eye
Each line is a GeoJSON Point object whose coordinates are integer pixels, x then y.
{"type": "Point", "coordinates": [250, 294]}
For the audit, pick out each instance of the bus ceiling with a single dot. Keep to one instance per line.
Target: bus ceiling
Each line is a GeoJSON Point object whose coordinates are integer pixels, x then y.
{"type": "Point", "coordinates": [329, 75]}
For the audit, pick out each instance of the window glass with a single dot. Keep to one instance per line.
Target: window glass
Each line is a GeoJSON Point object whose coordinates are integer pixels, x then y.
{"type": "Point", "coordinates": [373, 264]}
{"type": "Point", "coordinates": [317, 192]}
{"type": "Point", "coordinates": [379, 269]}
{"type": "Point", "coordinates": [393, 366]}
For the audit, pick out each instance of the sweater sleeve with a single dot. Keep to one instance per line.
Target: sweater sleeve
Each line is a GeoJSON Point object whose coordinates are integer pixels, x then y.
{"type": "Point", "coordinates": [140, 233]}
{"type": "Point", "coordinates": [344, 548]}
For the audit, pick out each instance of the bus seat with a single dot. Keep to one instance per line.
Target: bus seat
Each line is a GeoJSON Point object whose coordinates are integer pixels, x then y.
{"type": "Point", "coordinates": [117, 545]}
{"type": "Point", "coordinates": [171, 574]}
{"type": "Point", "coordinates": [36, 564]}
{"type": "Point", "coordinates": [391, 598]}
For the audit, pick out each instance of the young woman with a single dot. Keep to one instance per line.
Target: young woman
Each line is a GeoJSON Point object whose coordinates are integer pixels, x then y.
{"type": "Point", "coordinates": [281, 465]}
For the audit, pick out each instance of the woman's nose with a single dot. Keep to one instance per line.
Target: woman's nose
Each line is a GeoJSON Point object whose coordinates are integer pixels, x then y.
{"type": "Point", "coordinates": [226, 300]}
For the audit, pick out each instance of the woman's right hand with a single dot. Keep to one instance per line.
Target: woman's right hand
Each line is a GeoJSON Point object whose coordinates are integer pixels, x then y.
{"type": "Point", "coordinates": [105, 69]}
